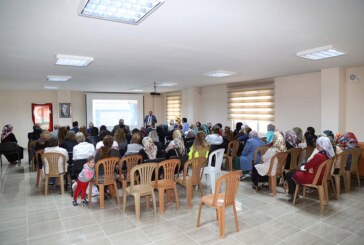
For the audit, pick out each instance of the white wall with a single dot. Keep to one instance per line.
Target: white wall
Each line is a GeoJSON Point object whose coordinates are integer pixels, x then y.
{"type": "Point", "coordinates": [214, 105]}
{"type": "Point", "coordinates": [298, 101]}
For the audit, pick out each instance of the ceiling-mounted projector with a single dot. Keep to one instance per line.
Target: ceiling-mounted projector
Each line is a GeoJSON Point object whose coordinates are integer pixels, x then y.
{"type": "Point", "coordinates": [155, 90]}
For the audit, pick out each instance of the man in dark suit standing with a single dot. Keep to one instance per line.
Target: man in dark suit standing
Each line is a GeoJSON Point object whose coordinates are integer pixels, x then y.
{"type": "Point", "coordinates": [122, 126]}
{"type": "Point", "coordinates": [150, 120]}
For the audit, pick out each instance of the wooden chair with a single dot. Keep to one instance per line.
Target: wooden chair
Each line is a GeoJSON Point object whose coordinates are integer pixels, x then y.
{"type": "Point", "coordinates": [212, 171]}
{"type": "Point", "coordinates": [144, 188]}
{"type": "Point", "coordinates": [231, 153]}
{"type": "Point", "coordinates": [259, 151]}
{"type": "Point", "coordinates": [107, 179]}
{"type": "Point", "coordinates": [277, 162]}
{"type": "Point", "coordinates": [341, 160]}
{"type": "Point", "coordinates": [264, 139]}
{"type": "Point", "coordinates": [196, 165]}
{"type": "Point", "coordinates": [128, 162]}
{"type": "Point", "coordinates": [330, 178]}
{"type": "Point", "coordinates": [31, 153]}
{"type": "Point", "coordinates": [51, 162]}
{"type": "Point", "coordinates": [220, 201]}
{"type": "Point", "coordinates": [38, 157]}
{"type": "Point", "coordinates": [168, 182]}
{"type": "Point", "coordinates": [321, 187]}
{"type": "Point", "coordinates": [354, 167]}
{"type": "Point", "coordinates": [294, 153]}
{"type": "Point", "coordinates": [305, 154]}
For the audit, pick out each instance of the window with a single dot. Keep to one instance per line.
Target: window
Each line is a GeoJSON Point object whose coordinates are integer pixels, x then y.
{"type": "Point", "coordinates": [173, 105]}
{"type": "Point", "coordinates": [251, 104]}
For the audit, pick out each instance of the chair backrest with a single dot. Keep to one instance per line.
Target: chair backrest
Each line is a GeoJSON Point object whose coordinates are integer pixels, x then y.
{"type": "Point", "coordinates": [219, 155]}
{"type": "Point", "coordinates": [169, 167]}
{"type": "Point", "coordinates": [8, 147]}
{"type": "Point", "coordinates": [295, 153]}
{"type": "Point", "coordinates": [261, 151]}
{"type": "Point", "coordinates": [355, 153]}
{"type": "Point", "coordinates": [341, 160]}
{"type": "Point", "coordinates": [231, 187]}
{"type": "Point", "coordinates": [325, 166]}
{"type": "Point", "coordinates": [144, 173]}
{"type": "Point", "coordinates": [233, 148]}
{"type": "Point", "coordinates": [306, 153]}
{"type": "Point", "coordinates": [129, 161]}
{"type": "Point", "coordinates": [31, 145]}
{"type": "Point", "coordinates": [38, 158]}
{"type": "Point", "coordinates": [52, 160]}
{"type": "Point", "coordinates": [108, 165]}
{"type": "Point", "coordinates": [277, 162]}
{"type": "Point", "coordinates": [264, 139]}
{"type": "Point", "coordinates": [196, 165]}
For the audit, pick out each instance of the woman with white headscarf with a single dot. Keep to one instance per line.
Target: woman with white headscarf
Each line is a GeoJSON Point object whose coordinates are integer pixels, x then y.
{"type": "Point", "coordinates": [150, 149]}
{"type": "Point", "coordinates": [308, 171]}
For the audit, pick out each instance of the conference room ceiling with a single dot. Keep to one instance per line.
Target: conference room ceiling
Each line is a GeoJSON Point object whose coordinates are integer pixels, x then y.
{"type": "Point", "coordinates": [178, 42]}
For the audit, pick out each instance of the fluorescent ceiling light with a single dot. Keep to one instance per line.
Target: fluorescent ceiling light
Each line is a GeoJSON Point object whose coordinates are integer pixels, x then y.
{"type": "Point", "coordinates": [165, 84]}
{"type": "Point", "coordinates": [50, 87]}
{"type": "Point", "coordinates": [125, 11]}
{"type": "Point", "coordinates": [58, 78]}
{"type": "Point", "coordinates": [69, 60]}
{"type": "Point", "coordinates": [136, 90]}
{"type": "Point", "coordinates": [219, 73]}
{"type": "Point", "coordinates": [320, 53]}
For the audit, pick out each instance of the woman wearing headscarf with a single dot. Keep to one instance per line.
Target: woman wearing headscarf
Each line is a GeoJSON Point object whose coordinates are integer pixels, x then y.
{"type": "Point", "coordinates": [154, 136]}
{"type": "Point", "coordinates": [291, 142]}
{"type": "Point", "coordinates": [246, 159]}
{"type": "Point", "coordinates": [200, 147]}
{"type": "Point", "coordinates": [270, 133]}
{"type": "Point", "coordinates": [7, 135]}
{"type": "Point", "coordinates": [260, 171]}
{"type": "Point", "coordinates": [309, 170]}
{"type": "Point", "coordinates": [205, 129]}
{"type": "Point", "coordinates": [299, 135]}
{"type": "Point", "coordinates": [346, 142]}
{"type": "Point", "coordinates": [150, 149]}
{"type": "Point", "coordinates": [176, 147]}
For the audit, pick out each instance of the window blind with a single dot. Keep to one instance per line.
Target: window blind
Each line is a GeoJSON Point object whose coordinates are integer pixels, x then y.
{"type": "Point", "coordinates": [173, 105]}
{"type": "Point", "coordinates": [251, 102]}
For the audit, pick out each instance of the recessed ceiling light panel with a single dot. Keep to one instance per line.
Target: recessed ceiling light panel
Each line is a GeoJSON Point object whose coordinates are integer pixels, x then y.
{"type": "Point", "coordinates": [165, 84]}
{"type": "Point", "coordinates": [136, 90]}
{"type": "Point", "coordinates": [125, 11]}
{"type": "Point", "coordinates": [320, 53]}
{"type": "Point", "coordinates": [58, 78]}
{"type": "Point", "coordinates": [50, 87]}
{"type": "Point", "coordinates": [70, 60]}
{"type": "Point", "coordinates": [219, 73]}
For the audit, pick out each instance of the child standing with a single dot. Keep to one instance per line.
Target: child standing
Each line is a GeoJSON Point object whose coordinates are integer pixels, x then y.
{"type": "Point", "coordinates": [84, 178]}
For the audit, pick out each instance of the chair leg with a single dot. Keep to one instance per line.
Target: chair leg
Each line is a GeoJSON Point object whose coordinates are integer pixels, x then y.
{"type": "Point", "coordinates": [295, 194]}
{"type": "Point", "coordinates": [46, 185]}
{"type": "Point", "coordinates": [188, 194]}
{"type": "Point", "coordinates": [212, 181]}
{"type": "Point", "coordinates": [62, 183]}
{"type": "Point", "coordinates": [124, 187]}
{"type": "Point", "coordinates": [304, 192]}
{"type": "Point", "coordinates": [176, 196]}
{"type": "Point", "coordinates": [199, 214]}
{"type": "Point", "coordinates": [358, 177]}
{"type": "Point", "coordinates": [337, 183]}
{"type": "Point", "coordinates": [102, 195]}
{"type": "Point", "coordinates": [201, 190]}
{"type": "Point", "coordinates": [154, 203]}
{"type": "Point", "coordinates": [137, 206]}
{"type": "Point", "coordinates": [124, 201]}
{"type": "Point", "coordinates": [273, 182]}
{"type": "Point", "coordinates": [116, 193]}
{"type": "Point", "coordinates": [322, 197]}
{"type": "Point", "coordinates": [90, 193]}
{"type": "Point", "coordinates": [348, 180]}
{"type": "Point", "coordinates": [326, 191]}
{"type": "Point", "coordinates": [221, 212]}
{"type": "Point", "coordinates": [161, 200]}
{"type": "Point", "coordinates": [236, 218]}
{"type": "Point", "coordinates": [345, 182]}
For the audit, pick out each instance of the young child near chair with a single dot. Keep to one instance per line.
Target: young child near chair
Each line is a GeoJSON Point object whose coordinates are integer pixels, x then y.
{"type": "Point", "coordinates": [84, 178]}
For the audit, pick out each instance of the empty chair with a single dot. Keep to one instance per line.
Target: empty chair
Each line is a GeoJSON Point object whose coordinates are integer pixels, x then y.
{"type": "Point", "coordinates": [213, 171]}
{"type": "Point", "coordinates": [168, 182]}
{"type": "Point", "coordinates": [320, 185]}
{"type": "Point", "coordinates": [221, 200]}
{"type": "Point", "coordinates": [125, 166]}
{"type": "Point", "coordinates": [144, 188]}
{"type": "Point", "coordinates": [231, 153]}
{"type": "Point", "coordinates": [194, 178]}
{"type": "Point", "coordinates": [54, 165]}
{"type": "Point", "coordinates": [105, 179]}
{"type": "Point", "coordinates": [354, 167]}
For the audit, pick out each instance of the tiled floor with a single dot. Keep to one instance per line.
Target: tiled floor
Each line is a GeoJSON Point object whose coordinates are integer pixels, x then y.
{"type": "Point", "coordinates": [29, 217]}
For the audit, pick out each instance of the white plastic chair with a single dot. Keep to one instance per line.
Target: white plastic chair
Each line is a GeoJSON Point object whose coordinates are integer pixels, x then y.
{"type": "Point", "coordinates": [213, 171]}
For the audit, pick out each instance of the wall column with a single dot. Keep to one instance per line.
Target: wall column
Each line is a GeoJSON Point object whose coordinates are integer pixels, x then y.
{"type": "Point", "coordinates": [333, 100]}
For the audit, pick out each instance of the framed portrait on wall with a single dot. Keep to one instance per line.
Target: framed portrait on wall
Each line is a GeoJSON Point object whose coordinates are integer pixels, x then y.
{"type": "Point", "coordinates": [64, 110]}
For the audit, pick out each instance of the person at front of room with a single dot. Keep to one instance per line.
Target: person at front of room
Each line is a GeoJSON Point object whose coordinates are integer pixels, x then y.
{"type": "Point", "coordinates": [150, 120]}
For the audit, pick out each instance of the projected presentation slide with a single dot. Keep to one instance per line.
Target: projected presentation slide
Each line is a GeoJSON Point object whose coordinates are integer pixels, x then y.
{"type": "Point", "coordinates": [107, 109]}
